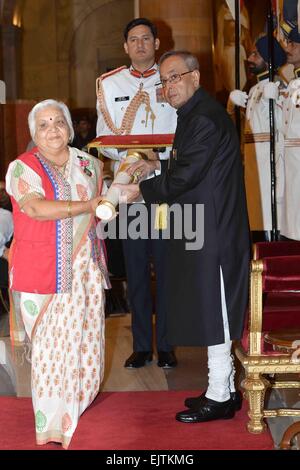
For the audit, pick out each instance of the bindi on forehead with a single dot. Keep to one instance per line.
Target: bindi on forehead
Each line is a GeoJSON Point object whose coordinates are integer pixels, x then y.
{"type": "Point", "coordinates": [53, 117]}
{"type": "Point", "coordinates": [47, 118]}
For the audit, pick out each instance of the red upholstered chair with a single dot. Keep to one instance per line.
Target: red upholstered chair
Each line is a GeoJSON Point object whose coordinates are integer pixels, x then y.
{"type": "Point", "coordinates": [274, 305]}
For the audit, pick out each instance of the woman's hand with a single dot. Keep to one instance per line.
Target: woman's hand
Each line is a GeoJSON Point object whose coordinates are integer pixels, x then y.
{"type": "Point", "coordinates": [95, 202]}
{"type": "Point", "coordinates": [42, 209]}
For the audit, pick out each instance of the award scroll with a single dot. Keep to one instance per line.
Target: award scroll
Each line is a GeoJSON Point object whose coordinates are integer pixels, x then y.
{"type": "Point", "coordinates": [135, 144]}
{"type": "Point", "coordinates": [106, 209]}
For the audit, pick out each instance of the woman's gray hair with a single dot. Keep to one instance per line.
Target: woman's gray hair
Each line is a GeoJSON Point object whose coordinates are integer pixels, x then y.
{"type": "Point", "coordinates": [44, 104]}
{"type": "Point", "coordinates": [190, 59]}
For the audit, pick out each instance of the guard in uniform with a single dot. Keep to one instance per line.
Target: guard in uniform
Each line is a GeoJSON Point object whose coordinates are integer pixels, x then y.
{"type": "Point", "coordinates": [129, 101]}
{"type": "Point", "coordinates": [290, 224]}
{"type": "Point", "coordinates": [257, 138]}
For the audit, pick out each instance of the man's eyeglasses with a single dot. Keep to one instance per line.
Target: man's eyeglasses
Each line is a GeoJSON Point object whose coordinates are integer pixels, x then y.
{"type": "Point", "coordinates": [175, 78]}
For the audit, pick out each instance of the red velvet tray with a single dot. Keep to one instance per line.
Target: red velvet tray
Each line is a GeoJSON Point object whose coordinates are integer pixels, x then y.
{"type": "Point", "coordinates": [133, 141]}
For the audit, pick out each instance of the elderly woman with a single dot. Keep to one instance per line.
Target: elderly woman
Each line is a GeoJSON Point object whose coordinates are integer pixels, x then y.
{"type": "Point", "coordinates": [58, 269]}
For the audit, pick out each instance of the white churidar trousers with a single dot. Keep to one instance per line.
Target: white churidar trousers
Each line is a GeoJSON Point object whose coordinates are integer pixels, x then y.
{"type": "Point", "coordinates": [221, 369]}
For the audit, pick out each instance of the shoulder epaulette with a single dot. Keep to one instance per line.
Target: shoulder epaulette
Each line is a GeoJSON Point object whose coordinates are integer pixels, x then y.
{"type": "Point", "coordinates": [112, 72]}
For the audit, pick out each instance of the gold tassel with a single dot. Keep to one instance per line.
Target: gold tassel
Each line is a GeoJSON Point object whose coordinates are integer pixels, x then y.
{"type": "Point", "coordinates": [161, 217]}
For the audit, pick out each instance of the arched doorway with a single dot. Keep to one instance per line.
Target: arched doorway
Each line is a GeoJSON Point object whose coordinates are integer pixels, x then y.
{"type": "Point", "coordinates": [96, 47]}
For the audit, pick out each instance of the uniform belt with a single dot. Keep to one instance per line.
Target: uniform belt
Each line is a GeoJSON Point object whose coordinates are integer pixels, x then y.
{"type": "Point", "coordinates": [259, 137]}
{"type": "Point", "coordinates": [292, 143]}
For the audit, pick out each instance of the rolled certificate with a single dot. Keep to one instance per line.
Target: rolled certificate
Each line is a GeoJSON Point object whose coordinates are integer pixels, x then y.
{"type": "Point", "coordinates": [106, 209]}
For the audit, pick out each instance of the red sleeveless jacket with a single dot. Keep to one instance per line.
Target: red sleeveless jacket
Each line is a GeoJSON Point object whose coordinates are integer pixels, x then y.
{"type": "Point", "coordinates": [42, 251]}
{"type": "Point", "coordinates": [33, 258]}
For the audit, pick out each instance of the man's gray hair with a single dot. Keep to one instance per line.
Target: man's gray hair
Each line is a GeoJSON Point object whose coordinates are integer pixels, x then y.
{"type": "Point", "coordinates": [44, 104]}
{"type": "Point", "coordinates": [190, 59]}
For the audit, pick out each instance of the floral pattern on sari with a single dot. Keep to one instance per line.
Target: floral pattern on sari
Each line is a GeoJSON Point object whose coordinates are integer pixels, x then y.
{"type": "Point", "coordinates": [66, 329]}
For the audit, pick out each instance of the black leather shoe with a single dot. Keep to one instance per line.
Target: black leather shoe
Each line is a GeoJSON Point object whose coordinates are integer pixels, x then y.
{"type": "Point", "coordinates": [236, 398]}
{"type": "Point", "coordinates": [209, 410]}
{"type": "Point", "coordinates": [166, 359]}
{"type": "Point", "coordinates": [138, 359]}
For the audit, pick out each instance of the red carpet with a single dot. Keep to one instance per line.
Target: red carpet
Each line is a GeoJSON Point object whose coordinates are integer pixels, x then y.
{"type": "Point", "coordinates": [133, 420]}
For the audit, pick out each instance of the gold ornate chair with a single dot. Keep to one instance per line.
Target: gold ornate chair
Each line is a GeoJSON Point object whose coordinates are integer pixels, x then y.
{"type": "Point", "coordinates": [274, 306]}
{"type": "Point", "coordinates": [289, 434]}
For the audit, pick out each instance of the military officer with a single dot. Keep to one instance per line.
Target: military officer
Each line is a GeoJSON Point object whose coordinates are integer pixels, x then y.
{"type": "Point", "coordinates": [129, 102]}
{"type": "Point", "coordinates": [290, 225]}
{"type": "Point", "coordinates": [257, 138]}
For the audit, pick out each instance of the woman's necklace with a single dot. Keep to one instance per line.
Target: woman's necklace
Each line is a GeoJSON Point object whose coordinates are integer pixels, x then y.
{"type": "Point", "coordinates": [60, 167]}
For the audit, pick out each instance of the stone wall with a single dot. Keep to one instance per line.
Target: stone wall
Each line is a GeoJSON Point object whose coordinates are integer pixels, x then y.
{"type": "Point", "coordinates": [185, 25]}
{"type": "Point", "coordinates": [67, 44]}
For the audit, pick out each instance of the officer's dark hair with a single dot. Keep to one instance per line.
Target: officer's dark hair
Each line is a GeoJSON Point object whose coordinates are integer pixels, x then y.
{"type": "Point", "coordinates": [137, 22]}
{"type": "Point", "coordinates": [190, 59]}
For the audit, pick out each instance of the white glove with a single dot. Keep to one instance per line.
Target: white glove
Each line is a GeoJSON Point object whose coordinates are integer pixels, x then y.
{"type": "Point", "coordinates": [296, 98]}
{"type": "Point", "coordinates": [295, 83]}
{"type": "Point", "coordinates": [239, 98]}
{"type": "Point", "coordinates": [271, 91]}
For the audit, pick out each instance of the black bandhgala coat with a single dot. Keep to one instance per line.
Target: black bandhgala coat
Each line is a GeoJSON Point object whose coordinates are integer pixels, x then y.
{"type": "Point", "coordinates": [205, 168]}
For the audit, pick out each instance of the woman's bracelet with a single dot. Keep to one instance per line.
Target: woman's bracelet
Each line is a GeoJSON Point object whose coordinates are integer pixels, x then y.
{"type": "Point", "coordinates": [69, 209]}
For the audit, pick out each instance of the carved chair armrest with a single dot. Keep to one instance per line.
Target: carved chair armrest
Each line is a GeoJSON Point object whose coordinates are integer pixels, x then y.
{"type": "Point", "coordinates": [270, 274]}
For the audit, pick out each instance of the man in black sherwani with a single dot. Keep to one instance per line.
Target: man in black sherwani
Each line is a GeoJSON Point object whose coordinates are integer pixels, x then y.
{"type": "Point", "coordinates": [207, 288]}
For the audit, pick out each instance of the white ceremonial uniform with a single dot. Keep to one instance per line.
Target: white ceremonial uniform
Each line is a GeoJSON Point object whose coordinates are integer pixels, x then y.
{"type": "Point", "coordinates": [257, 158]}
{"type": "Point", "coordinates": [120, 87]}
{"type": "Point", "coordinates": [128, 105]}
{"type": "Point", "coordinates": [290, 224]}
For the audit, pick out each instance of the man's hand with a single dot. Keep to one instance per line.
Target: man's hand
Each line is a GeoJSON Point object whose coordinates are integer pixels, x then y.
{"type": "Point", "coordinates": [238, 98]}
{"type": "Point", "coordinates": [143, 168]}
{"type": "Point", "coordinates": [150, 154]}
{"type": "Point", "coordinates": [129, 192]}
